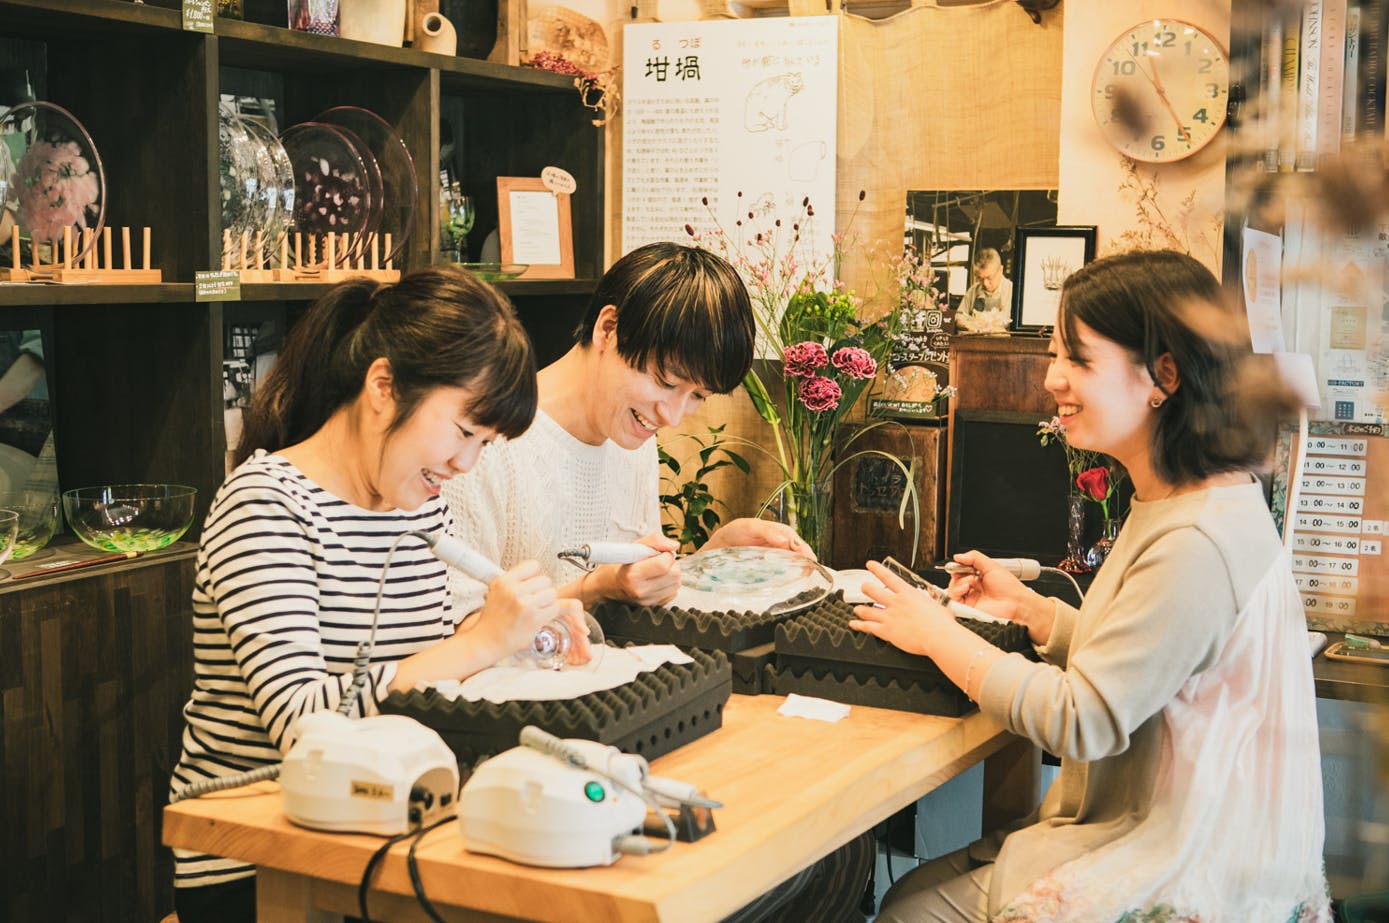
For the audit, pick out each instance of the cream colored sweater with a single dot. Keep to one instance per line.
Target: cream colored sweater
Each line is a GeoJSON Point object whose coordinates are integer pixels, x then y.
{"type": "Point", "coordinates": [545, 492]}
{"type": "Point", "coordinates": [1180, 700]}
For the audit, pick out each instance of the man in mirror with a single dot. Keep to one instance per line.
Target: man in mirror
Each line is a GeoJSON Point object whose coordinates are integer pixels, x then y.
{"type": "Point", "coordinates": [991, 293]}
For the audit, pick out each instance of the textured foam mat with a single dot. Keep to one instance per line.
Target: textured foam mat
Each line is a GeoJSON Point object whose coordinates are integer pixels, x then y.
{"type": "Point", "coordinates": [728, 631]}
{"type": "Point", "coordinates": [654, 714]}
{"type": "Point", "coordinates": [817, 653]}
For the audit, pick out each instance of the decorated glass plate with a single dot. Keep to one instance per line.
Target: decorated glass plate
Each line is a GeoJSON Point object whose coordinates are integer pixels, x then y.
{"type": "Point", "coordinates": [277, 177]}
{"type": "Point", "coordinates": [246, 205]}
{"type": "Point", "coordinates": [332, 191]}
{"type": "Point", "coordinates": [496, 272]}
{"type": "Point", "coordinates": [400, 184]}
{"type": "Point", "coordinates": [750, 579]}
{"type": "Point", "coordinates": [51, 180]}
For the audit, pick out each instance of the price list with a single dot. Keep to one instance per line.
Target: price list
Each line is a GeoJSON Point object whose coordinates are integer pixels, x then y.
{"type": "Point", "coordinates": [1339, 524]}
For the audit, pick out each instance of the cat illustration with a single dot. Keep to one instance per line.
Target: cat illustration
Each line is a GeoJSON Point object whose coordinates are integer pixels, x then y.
{"type": "Point", "coordinates": [766, 101]}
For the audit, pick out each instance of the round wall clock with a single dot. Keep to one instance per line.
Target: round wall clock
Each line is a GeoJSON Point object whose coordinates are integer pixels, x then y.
{"type": "Point", "coordinates": [1160, 90]}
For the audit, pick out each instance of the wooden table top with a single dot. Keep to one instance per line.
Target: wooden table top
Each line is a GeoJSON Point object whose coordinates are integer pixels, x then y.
{"type": "Point", "coordinates": [793, 790]}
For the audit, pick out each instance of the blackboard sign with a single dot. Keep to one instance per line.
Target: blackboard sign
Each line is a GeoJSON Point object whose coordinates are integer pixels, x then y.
{"type": "Point", "coordinates": [198, 15]}
{"type": "Point", "coordinates": [1008, 492]}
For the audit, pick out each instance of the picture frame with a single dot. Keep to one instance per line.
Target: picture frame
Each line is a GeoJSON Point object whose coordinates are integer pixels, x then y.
{"type": "Point", "coordinates": [1044, 258]}
{"type": "Point", "coordinates": [535, 227]}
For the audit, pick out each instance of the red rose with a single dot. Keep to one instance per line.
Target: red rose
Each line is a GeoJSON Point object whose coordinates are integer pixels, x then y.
{"type": "Point", "coordinates": [1095, 483]}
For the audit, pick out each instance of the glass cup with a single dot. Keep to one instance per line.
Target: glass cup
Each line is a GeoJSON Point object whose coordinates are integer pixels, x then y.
{"type": "Point", "coordinates": [574, 641]}
{"type": "Point", "coordinates": [39, 514]}
{"type": "Point", "coordinates": [9, 530]}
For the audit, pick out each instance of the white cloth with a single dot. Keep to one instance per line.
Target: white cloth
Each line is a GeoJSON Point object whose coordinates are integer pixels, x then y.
{"type": "Point", "coordinates": [544, 492]}
{"type": "Point", "coordinates": [617, 667]}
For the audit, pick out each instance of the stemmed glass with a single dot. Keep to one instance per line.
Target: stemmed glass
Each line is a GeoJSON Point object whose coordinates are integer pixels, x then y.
{"type": "Point", "coordinates": [9, 531]}
{"type": "Point", "coordinates": [458, 218]}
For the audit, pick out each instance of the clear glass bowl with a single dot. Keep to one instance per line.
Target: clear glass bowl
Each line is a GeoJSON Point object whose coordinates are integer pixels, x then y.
{"type": "Point", "coordinates": [130, 517]}
{"type": "Point", "coordinates": [496, 272]}
{"type": "Point", "coordinates": [38, 519]}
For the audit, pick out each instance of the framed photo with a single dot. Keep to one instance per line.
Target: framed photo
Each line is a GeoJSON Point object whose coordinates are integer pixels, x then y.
{"type": "Point", "coordinates": [535, 227]}
{"type": "Point", "coordinates": [1045, 257]}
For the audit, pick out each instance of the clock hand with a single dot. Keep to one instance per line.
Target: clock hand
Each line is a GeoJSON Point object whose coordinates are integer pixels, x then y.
{"type": "Point", "coordinates": [1156, 81]}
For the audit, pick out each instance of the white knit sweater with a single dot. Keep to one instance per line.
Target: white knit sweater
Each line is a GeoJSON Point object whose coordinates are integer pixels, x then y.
{"type": "Point", "coordinates": [546, 491]}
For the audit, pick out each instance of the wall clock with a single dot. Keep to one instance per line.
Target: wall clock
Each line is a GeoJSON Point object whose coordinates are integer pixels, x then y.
{"type": "Point", "coordinates": [1160, 90]}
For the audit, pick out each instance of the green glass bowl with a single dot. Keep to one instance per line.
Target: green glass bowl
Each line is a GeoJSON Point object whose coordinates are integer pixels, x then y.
{"type": "Point", "coordinates": [130, 517]}
{"type": "Point", "coordinates": [496, 272]}
{"type": "Point", "coordinates": [38, 519]}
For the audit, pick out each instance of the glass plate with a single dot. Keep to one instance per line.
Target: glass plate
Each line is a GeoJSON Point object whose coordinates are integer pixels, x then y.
{"type": "Point", "coordinates": [277, 177]}
{"type": "Point", "coordinates": [246, 208]}
{"type": "Point", "coordinates": [332, 188]}
{"type": "Point", "coordinates": [773, 581]}
{"type": "Point", "coordinates": [50, 179]}
{"type": "Point", "coordinates": [400, 183]}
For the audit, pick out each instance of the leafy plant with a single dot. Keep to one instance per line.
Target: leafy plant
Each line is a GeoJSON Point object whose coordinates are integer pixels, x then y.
{"type": "Point", "coordinates": [690, 500]}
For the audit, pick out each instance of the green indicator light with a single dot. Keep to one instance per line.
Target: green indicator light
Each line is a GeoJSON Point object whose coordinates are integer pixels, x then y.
{"type": "Point", "coordinates": [594, 791]}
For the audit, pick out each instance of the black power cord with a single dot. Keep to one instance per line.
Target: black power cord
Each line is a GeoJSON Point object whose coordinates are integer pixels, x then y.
{"type": "Point", "coordinates": [369, 873]}
{"type": "Point", "coordinates": [414, 869]}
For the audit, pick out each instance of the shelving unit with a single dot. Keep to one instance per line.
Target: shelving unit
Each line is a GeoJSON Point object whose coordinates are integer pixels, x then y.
{"type": "Point", "coordinates": [95, 664]}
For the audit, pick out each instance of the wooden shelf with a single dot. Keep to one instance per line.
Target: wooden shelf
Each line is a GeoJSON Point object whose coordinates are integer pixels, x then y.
{"type": "Point", "coordinates": [136, 380]}
{"type": "Point", "coordinates": [68, 550]}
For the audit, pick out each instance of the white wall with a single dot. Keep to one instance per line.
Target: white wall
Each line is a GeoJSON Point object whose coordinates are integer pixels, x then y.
{"type": "Point", "coordinates": [1095, 186]}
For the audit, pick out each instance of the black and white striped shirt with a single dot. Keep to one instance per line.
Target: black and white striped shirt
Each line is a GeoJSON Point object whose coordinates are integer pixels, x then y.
{"type": "Point", "coordinates": [285, 588]}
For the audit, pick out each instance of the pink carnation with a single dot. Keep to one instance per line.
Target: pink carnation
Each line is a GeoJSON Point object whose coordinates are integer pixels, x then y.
{"type": "Point", "coordinates": [854, 362]}
{"type": "Point", "coordinates": [803, 359]}
{"type": "Point", "coordinates": [818, 393]}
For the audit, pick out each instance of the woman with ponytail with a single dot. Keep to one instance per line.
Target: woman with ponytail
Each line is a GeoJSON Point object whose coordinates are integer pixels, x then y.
{"type": "Point", "coordinates": [380, 395]}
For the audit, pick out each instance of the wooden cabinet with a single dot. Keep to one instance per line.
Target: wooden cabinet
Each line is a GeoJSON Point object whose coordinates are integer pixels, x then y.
{"type": "Point", "coordinates": [94, 667]}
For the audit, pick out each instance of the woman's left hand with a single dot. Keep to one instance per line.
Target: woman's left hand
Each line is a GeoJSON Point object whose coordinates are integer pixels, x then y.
{"type": "Point", "coordinates": [905, 617]}
{"type": "Point", "coordinates": [748, 531]}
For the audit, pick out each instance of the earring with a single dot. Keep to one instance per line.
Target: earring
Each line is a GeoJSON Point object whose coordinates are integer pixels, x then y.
{"type": "Point", "coordinates": [1155, 403]}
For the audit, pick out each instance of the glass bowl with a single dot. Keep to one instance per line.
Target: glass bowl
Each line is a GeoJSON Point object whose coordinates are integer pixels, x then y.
{"type": "Point", "coordinates": [38, 519]}
{"type": "Point", "coordinates": [496, 272]}
{"type": "Point", "coordinates": [130, 517]}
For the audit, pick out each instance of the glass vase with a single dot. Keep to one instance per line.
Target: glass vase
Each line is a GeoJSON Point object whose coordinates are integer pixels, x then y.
{"type": "Point", "coordinates": [1074, 561]}
{"type": "Point", "coordinates": [1104, 545]}
{"type": "Point", "coordinates": [808, 512]}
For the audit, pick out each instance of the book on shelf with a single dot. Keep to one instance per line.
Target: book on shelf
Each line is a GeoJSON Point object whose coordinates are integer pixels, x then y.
{"type": "Point", "coordinates": [1330, 81]}
{"type": "Point", "coordinates": [1308, 88]}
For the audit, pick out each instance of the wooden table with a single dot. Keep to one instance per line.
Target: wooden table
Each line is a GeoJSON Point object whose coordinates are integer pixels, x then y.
{"type": "Point", "coordinates": [793, 790]}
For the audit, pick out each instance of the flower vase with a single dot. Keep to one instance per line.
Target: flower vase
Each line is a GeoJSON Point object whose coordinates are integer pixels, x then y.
{"type": "Point", "coordinates": [808, 512]}
{"type": "Point", "coordinates": [1104, 545]}
{"type": "Point", "coordinates": [1074, 561]}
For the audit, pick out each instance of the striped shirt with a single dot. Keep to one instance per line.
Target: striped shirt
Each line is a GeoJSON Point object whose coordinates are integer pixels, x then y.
{"type": "Point", "coordinates": [286, 584]}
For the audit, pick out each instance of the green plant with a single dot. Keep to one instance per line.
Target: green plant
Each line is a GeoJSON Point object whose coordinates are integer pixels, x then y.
{"type": "Point", "coordinates": [690, 500]}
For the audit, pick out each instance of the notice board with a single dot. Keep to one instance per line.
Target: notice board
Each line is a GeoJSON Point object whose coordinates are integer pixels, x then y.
{"type": "Point", "coordinates": [1339, 524]}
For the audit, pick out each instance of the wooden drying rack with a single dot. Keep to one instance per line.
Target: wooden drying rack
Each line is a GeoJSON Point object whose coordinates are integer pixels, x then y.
{"type": "Point", "coordinates": [344, 256]}
{"type": "Point", "coordinates": [86, 265]}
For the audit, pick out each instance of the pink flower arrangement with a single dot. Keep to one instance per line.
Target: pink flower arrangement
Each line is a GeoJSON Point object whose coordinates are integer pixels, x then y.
{"type": "Point", "coordinates": [819, 394]}
{"type": "Point", "coordinates": [56, 189]}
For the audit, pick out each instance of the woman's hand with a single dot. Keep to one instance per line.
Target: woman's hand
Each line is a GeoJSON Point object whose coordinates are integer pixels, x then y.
{"type": "Point", "coordinates": [994, 590]}
{"type": "Point", "coordinates": [747, 531]}
{"type": "Point", "coordinates": [904, 616]}
{"type": "Point", "coordinates": [519, 603]}
{"type": "Point", "coordinates": [650, 582]}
